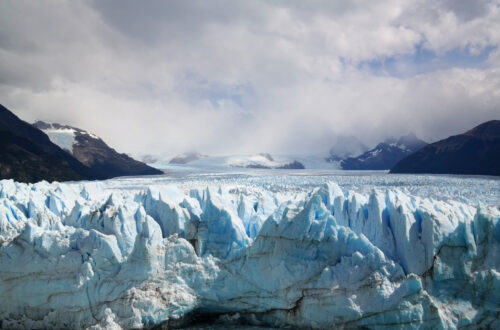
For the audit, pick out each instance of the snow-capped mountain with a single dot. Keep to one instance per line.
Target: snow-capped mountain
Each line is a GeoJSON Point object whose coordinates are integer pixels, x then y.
{"type": "Point", "coordinates": [264, 161]}
{"type": "Point", "coordinates": [254, 161]}
{"type": "Point", "coordinates": [94, 152]}
{"type": "Point", "coordinates": [108, 255]}
{"type": "Point", "coordinates": [27, 154]}
{"type": "Point", "coordinates": [385, 155]}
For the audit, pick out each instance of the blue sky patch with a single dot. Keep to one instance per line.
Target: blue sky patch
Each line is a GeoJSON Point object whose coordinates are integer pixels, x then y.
{"type": "Point", "coordinates": [424, 61]}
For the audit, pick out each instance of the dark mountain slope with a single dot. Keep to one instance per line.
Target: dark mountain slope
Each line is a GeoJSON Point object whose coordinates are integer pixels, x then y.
{"type": "Point", "coordinates": [28, 155]}
{"type": "Point", "coordinates": [94, 152]}
{"type": "Point", "coordinates": [474, 152]}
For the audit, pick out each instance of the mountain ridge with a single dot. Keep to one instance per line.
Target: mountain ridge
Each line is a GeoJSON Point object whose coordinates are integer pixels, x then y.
{"type": "Point", "coordinates": [384, 155]}
{"type": "Point", "coordinates": [28, 155]}
{"type": "Point", "coordinates": [474, 152]}
{"type": "Point", "coordinates": [92, 151]}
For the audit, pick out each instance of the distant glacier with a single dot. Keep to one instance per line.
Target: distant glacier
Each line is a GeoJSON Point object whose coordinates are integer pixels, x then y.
{"type": "Point", "coordinates": [314, 251]}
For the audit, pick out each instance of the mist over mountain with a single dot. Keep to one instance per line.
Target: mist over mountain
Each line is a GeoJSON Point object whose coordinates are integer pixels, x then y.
{"type": "Point", "coordinates": [186, 157]}
{"type": "Point", "coordinates": [385, 155]}
{"type": "Point", "coordinates": [188, 75]}
{"type": "Point", "coordinates": [344, 146]}
{"type": "Point", "coordinates": [476, 151]}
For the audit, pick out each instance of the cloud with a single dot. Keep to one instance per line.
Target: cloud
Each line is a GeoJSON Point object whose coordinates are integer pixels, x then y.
{"type": "Point", "coordinates": [238, 77]}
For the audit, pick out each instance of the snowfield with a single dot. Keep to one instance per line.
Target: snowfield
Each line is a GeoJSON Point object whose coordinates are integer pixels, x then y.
{"type": "Point", "coordinates": [64, 138]}
{"type": "Point", "coordinates": [225, 163]}
{"type": "Point", "coordinates": [311, 250]}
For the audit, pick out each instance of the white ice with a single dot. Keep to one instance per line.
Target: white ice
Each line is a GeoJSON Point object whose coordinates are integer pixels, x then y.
{"type": "Point", "coordinates": [297, 251]}
{"type": "Point", "coordinates": [64, 138]}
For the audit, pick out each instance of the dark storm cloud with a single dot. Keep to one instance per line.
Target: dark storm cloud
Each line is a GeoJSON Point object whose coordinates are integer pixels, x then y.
{"type": "Point", "coordinates": [176, 19]}
{"type": "Point", "coordinates": [231, 76]}
{"type": "Point", "coordinates": [467, 10]}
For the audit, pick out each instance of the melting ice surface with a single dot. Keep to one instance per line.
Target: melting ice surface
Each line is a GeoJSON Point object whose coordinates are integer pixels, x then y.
{"type": "Point", "coordinates": [316, 250]}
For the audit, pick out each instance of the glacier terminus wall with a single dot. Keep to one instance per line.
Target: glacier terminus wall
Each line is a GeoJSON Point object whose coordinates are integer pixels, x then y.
{"type": "Point", "coordinates": [93, 255]}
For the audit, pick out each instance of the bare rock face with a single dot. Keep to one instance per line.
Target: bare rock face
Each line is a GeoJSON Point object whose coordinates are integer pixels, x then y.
{"type": "Point", "coordinates": [94, 152]}
{"type": "Point", "coordinates": [28, 155]}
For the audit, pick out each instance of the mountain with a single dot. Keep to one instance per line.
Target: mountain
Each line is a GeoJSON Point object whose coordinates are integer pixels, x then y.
{"type": "Point", "coordinates": [186, 158]}
{"type": "Point", "coordinates": [255, 161]}
{"type": "Point", "coordinates": [94, 152]}
{"type": "Point", "coordinates": [474, 152]}
{"type": "Point", "coordinates": [384, 155]}
{"type": "Point", "coordinates": [264, 161]}
{"type": "Point", "coordinates": [149, 159]}
{"type": "Point", "coordinates": [345, 146]}
{"type": "Point", "coordinates": [28, 155]}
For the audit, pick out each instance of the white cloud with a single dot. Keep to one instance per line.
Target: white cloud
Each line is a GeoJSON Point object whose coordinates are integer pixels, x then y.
{"type": "Point", "coordinates": [224, 77]}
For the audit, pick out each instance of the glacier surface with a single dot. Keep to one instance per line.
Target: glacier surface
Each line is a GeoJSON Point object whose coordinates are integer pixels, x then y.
{"type": "Point", "coordinates": [276, 251]}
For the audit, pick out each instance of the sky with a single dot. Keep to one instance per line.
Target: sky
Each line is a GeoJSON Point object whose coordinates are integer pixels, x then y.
{"type": "Point", "coordinates": [237, 77]}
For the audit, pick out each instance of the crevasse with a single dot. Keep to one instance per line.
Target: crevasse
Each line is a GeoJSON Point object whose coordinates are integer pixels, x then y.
{"type": "Point", "coordinates": [82, 255]}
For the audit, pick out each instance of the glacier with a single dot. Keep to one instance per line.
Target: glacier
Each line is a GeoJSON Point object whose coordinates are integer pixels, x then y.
{"type": "Point", "coordinates": [131, 253]}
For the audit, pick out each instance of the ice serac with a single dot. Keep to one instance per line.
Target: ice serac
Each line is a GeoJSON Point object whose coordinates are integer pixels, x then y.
{"type": "Point", "coordinates": [85, 255]}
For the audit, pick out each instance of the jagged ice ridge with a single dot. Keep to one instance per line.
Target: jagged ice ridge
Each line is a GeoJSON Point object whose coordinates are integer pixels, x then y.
{"type": "Point", "coordinates": [82, 255]}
